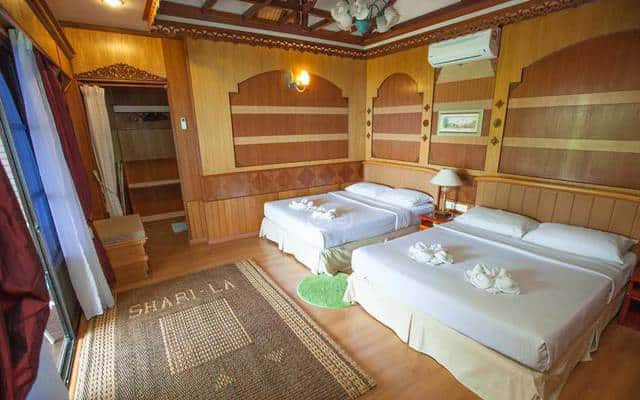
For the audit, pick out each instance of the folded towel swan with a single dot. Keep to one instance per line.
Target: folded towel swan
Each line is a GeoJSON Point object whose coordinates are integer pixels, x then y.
{"type": "Point", "coordinates": [324, 213]}
{"type": "Point", "coordinates": [433, 254]}
{"type": "Point", "coordinates": [302, 204]}
{"type": "Point", "coordinates": [492, 280]}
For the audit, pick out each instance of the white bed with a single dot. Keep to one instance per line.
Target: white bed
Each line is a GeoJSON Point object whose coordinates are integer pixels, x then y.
{"type": "Point", "coordinates": [325, 246]}
{"type": "Point", "coordinates": [500, 346]}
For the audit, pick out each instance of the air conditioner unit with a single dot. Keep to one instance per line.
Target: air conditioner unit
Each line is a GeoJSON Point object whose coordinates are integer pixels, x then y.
{"type": "Point", "coordinates": [477, 46]}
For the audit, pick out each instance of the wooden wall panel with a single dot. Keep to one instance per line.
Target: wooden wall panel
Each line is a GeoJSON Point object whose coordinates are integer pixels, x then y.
{"type": "Point", "coordinates": [96, 49]}
{"type": "Point", "coordinates": [593, 143]}
{"type": "Point", "coordinates": [21, 13]}
{"type": "Point", "coordinates": [217, 68]}
{"type": "Point", "coordinates": [242, 184]}
{"type": "Point", "coordinates": [411, 63]}
{"type": "Point", "coordinates": [594, 167]}
{"type": "Point", "coordinates": [526, 42]}
{"type": "Point", "coordinates": [185, 140]}
{"type": "Point", "coordinates": [603, 210]}
{"type": "Point", "coordinates": [81, 129]}
{"type": "Point", "coordinates": [465, 152]}
{"type": "Point", "coordinates": [401, 176]}
{"type": "Point", "coordinates": [266, 117]}
{"type": "Point", "coordinates": [397, 120]}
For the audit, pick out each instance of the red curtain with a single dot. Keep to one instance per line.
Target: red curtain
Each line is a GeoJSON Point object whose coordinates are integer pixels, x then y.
{"type": "Point", "coordinates": [62, 117]}
{"type": "Point", "coordinates": [24, 301]}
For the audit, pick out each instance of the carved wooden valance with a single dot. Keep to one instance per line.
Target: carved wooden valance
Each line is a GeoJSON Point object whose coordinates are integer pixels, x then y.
{"type": "Point", "coordinates": [121, 73]}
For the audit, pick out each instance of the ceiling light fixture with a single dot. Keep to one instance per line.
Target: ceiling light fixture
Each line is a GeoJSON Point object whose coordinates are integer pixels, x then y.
{"type": "Point", "coordinates": [114, 3]}
{"type": "Point", "coordinates": [363, 11]}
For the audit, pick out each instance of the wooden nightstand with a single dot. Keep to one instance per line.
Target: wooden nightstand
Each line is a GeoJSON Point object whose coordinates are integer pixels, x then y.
{"type": "Point", "coordinates": [429, 220]}
{"type": "Point", "coordinates": [632, 296]}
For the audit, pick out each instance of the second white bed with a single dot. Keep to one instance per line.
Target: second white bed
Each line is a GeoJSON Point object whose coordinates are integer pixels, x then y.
{"type": "Point", "coordinates": [326, 245]}
{"type": "Point", "coordinates": [562, 295]}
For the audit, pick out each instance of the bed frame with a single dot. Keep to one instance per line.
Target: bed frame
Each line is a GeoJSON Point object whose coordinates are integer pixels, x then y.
{"type": "Point", "coordinates": [608, 211]}
{"type": "Point", "coordinates": [487, 372]}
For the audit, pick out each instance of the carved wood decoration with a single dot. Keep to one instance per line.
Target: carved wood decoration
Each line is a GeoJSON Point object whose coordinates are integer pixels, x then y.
{"type": "Point", "coordinates": [121, 72]}
{"type": "Point", "coordinates": [521, 12]}
{"type": "Point", "coordinates": [274, 124]}
{"type": "Point", "coordinates": [397, 120]}
{"type": "Point", "coordinates": [466, 152]}
{"type": "Point", "coordinates": [243, 184]}
{"type": "Point", "coordinates": [576, 115]}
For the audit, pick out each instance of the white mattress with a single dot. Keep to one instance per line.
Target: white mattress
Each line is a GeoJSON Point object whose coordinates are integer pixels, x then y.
{"type": "Point", "coordinates": [562, 294]}
{"type": "Point", "coordinates": [358, 218]}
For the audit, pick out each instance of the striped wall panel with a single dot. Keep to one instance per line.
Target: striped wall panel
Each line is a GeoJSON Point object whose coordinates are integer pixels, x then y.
{"type": "Point", "coordinates": [397, 120]}
{"type": "Point", "coordinates": [273, 124]}
{"type": "Point", "coordinates": [576, 115]}
{"type": "Point", "coordinates": [466, 152]}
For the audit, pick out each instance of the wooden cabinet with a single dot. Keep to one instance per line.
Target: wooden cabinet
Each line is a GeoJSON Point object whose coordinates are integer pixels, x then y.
{"type": "Point", "coordinates": [124, 239]}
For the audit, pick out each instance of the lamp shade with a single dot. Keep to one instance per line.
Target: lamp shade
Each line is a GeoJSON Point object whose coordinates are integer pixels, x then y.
{"type": "Point", "coordinates": [447, 178]}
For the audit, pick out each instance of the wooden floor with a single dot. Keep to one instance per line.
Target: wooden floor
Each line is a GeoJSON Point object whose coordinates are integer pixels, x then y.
{"type": "Point", "coordinates": [400, 372]}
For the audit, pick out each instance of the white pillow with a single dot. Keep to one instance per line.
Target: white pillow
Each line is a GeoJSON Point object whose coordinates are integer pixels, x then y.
{"type": "Point", "coordinates": [406, 198]}
{"type": "Point", "coordinates": [582, 241]}
{"type": "Point", "coordinates": [368, 189]}
{"type": "Point", "coordinates": [498, 221]}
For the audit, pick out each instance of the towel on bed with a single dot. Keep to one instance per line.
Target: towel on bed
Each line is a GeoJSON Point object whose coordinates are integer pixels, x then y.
{"type": "Point", "coordinates": [433, 254]}
{"type": "Point", "coordinates": [324, 213]}
{"type": "Point", "coordinates": [301, 204]}
{"type": "Point", "coordinates": [492, 280]}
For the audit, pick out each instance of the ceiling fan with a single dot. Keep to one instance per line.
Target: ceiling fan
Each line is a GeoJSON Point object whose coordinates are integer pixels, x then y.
{"type": "Point", "coordinates": [364, 11]}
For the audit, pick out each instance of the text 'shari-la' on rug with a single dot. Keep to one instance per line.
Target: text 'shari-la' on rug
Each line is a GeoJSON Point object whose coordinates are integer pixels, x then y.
{"type": "Point", "coordinates": [225, 333]}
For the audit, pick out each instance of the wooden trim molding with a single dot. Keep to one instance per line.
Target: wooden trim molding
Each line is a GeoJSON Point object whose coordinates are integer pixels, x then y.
{"type": "Point", "coordinates": [510, 15]}
{"type": "Point", "coordinates": [615, 146]}
{"type": "Point", "coordinates": [584, 99]}
{"type": "Point", "coordinates": [399, 137]}
{"type": "Point", "coordinates": [150, 11]}
{"type": "Point", "coordinates": [475, 140]}
{"type": "Point", "coordinates": [236, 109]}
{"type": "Point", "coordinates": [566, 188]}
{"type": "Point", "coordinates": [45, 15]}
{"type": "Point", "coordinates": [174, 29]}
{"type": "Point", "coordinates": [463, 105]}
{"type": "Point", "coordinates": [120, 73]}
{"type": "Point", "coordinates": [249, 140]}
{"type": "Point", "coordinates": [401, 165]}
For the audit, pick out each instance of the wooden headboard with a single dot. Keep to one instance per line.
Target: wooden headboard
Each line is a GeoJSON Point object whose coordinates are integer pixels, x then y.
{"type": "Point", "coordinates": [402, 176]}
{"type": "Point", "coordinates": [603, 210]}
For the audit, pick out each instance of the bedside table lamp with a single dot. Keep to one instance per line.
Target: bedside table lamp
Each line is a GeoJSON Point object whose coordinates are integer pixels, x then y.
{"type": "Point", "coordinates": [446, 178]}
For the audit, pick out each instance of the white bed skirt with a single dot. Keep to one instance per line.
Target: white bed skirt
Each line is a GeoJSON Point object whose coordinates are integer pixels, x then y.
{"type": "Point", "coordinates": [484, 371]}
{"type": "Point", "coordinates": [320, 260]}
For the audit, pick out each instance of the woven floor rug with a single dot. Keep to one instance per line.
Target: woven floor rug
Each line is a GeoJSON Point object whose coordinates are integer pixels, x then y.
{"type": "Point", "coordinates": [225, 333]}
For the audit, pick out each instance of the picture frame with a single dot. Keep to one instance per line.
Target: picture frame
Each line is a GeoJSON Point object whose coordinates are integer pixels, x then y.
{"type": "Point", "coordinates": [460, 122]}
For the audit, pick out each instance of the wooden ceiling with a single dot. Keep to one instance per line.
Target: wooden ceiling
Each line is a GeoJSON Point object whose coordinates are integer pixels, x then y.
{"type": "Point", "coordinates": [306, 25]}
{"type": "Point", "coordinates": [312, 18]}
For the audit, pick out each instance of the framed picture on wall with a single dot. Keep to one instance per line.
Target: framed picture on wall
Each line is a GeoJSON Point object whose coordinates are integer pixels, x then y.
{"type": "Point", "coordinates": [460, 122]}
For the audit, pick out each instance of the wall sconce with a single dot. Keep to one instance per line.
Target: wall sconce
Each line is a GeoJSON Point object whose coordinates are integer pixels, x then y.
{"type": "Point", "coordinates": [114, 3]}
{"type": "Point", "coordinates": [300, 81]}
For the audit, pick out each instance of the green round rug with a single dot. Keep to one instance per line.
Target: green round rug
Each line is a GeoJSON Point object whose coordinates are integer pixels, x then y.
{"type": "Point", "coordinates": [324, 290]}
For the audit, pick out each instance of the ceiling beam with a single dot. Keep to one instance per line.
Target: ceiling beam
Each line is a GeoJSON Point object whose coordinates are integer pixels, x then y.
{"type": "Point", "coordinates": [284, 17]}
{"type": "Point", "coordinates": [453, 11]}
{"type": "Point", "coordinates": [320, 24]}
{"type": "Point", "coordinates": [196, 13]}
{"type": "Point", "coordinates": [293, 6]}
{"type": "Point", "coordinates": [208, 4]}
{"type": "Point", "coordinates": [253, 10]}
